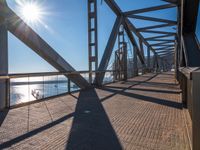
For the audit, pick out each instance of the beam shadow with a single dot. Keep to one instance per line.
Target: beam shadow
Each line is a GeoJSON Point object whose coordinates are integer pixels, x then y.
{"type": "Point", "coordinates": [91, 128]}
{"type": "Point", "coordinates": [3, 115]}
{"type": "Point", "coordinates": [143, 98]}
{"type": "Point", "coordinates": [148, 90]}
{"type": "Point", "coordinates": [126, 88]}
{"type": "Point", "coordinates": [153, 83]}
{"type": "Point", "coordinates": [34, 132]}
{"type": "Point", "coordinates": [106, 132]}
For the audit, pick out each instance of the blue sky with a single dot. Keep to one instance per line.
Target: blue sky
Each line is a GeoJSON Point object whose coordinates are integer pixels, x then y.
{"type": "Point", "coordinates": [64, 27]}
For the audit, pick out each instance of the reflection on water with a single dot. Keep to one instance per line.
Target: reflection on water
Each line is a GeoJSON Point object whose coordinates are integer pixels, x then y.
{"type": "Point", "coordinates": [34, 88]}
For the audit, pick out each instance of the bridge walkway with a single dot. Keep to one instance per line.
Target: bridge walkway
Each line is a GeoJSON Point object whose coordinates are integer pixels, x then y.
{"type": "Point", "coordinates": [143, 113]}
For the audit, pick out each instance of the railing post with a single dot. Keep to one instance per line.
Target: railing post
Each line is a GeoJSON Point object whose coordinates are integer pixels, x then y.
{"type": "Point", "coordinates": [148, 59]}
{"type": "Point", "coordinates": [135, 61]}
{"type": "Point", "coordinates": [69, 85]}
{"type": "Point", "coordinates": [8, 93]}
{"type": "Point", "coordinates": [3, 63]}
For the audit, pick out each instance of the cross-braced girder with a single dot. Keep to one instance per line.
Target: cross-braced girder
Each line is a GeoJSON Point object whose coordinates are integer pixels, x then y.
{"type": "Point", "coordinates": [130, 28]}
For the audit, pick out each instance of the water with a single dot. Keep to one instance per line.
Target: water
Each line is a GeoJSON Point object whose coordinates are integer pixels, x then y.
{"type": "Point", "coordinates": [34, 88]}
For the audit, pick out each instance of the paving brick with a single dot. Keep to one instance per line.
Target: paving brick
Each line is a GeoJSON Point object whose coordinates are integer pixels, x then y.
{"type": "Point", "coordinates": [143, 113]}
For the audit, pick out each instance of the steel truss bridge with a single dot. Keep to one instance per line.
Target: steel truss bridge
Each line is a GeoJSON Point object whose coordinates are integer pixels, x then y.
{"type": "Point", "coordinates": [178, 50]}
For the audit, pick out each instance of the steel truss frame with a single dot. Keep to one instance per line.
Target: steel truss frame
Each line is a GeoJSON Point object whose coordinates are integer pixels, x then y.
{"type": "Point", "coordinates": [166, 45]}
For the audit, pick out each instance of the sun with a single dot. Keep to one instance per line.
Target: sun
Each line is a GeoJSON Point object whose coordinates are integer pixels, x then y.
{"type": "Point", "coordinates": [31, 12]}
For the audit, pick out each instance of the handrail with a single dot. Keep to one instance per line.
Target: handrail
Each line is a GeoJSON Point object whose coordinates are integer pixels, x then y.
{"type": "Point", "coordinates": [187, 71]}
{"type": "Point", "coordinates": [21, 75]}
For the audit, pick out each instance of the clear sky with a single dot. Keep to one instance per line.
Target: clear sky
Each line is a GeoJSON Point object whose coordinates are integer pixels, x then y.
{"type": "Point", "coordinates": [64, 26]}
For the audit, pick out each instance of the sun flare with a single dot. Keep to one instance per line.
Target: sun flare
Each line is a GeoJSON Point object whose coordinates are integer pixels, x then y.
{"type": "Point", "coordinates": [31, 12]}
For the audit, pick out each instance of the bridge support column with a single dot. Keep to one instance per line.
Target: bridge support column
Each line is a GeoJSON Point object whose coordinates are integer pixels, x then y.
{"type": "Point", "coordinates": [148, 59]}
{"type": "Point", "coordinates": [135, 61]}
{"type": "Point", "coordinates": [196, 109]}
{"type": "Point", "coordinates": [3, 64]}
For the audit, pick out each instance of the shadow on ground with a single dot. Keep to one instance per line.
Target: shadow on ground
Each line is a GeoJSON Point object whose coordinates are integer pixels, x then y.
{"type": "Point", "coordinates": [91, 128]}
{"type": "Point", "coordinates": [3, 115]}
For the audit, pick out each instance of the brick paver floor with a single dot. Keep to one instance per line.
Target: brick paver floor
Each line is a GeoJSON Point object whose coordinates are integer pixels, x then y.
{"type": "Point", "coordinates": [144, 113]}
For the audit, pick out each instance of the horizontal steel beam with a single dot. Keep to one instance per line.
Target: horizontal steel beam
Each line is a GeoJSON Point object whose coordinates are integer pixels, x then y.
{"type": "Point", "coordinates": [165, 51]}
{"type": "Point", "coordinates": [164, 47]}
{"type": "Point", "coordinates": [172, 1]}
{"type": "Point", "coordinates": [153, 19]}
{"type": "Point", "coordinates": [149, 9]}
{"type": "Point", "coordinates": [164, 40]}
{"type": "Point", "coordinates": [169, 53]}
{"type": "Point", "coordinates": [163, 44]}
{"type": "Point", "coordinates": [154, 27]}
{"type": "Point", "coordinates": [161, 36]}
{"type": "Point", "coordinates": [158, 32]}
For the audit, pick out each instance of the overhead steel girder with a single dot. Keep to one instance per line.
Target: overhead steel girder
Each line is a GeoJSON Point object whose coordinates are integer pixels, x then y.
{"type": "Point", "coordinates": [133, 29]}
{"type": "Point", "coordinates": [158, 32]}
{"type": "Point", "coordinates": [153, 19]}
{"type": "Point", "coordinates": [158, 50]}
{"type": "Point", "coordinates": [112, 4]}
{"type": "Point", "coordinates": [169, 56]}
{"type": "Point", "coordinates": [132, 39]}
{"type": "Point", "coordinates": [169, 53]}
{"type": "Point", "coordinates": [190, 15]}
{"type": "Point", "coordinates": [165, 51]}
{"type": "Point", "coordinates": [162, 40]}
{"type": "Point", "coordinates": [149, 9]}
{"type": "Point", "coordinates": [162, 43]}
{"type": "Point", "coordinates": [162, 36]}
{"type": "Point", "coordinates": [190, 41]}
{"type": "Point", "coordinates": [108, 51]}
{"type": "Point", "coordinates": [164, 47]}
{"type": "Point", "coordinates": [154, 27]}
{"type": "Point", "coordinates": [24, 33]}
{"type": "Point", "coordinates": [172, 1]}
{"type": "Point", "coordinates": [192, 50]}
{"type": "Point", "coordinates": [115, 8]}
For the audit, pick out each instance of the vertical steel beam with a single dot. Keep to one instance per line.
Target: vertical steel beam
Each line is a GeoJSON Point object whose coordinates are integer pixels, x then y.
{"type": "Point", "coordinates": [92, 37]}
{"type": "Point", "coordinates": [3, 64]}
{"type": "Point", "coordinates": [108, 52]}
{"type": "Point", "coordinates": [142, 53]}
{"type": "Point", "coordinates": [195, 110]}
{"type": "Point", "coordinates": [135, 62]}
{"type": "Point", "coordinates": [125, 62]}
{"type": "Point", "coordinates": [148, 58]}
{"type": "Point", "coordinates": [121, 38]}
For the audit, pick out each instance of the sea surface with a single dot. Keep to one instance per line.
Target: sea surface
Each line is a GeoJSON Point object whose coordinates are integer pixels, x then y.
{"type": "Point", "coordinates": [35, 88]}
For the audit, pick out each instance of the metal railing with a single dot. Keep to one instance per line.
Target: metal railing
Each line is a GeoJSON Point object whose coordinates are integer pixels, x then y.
{"type": "Point", "coordinates": [30, 87]}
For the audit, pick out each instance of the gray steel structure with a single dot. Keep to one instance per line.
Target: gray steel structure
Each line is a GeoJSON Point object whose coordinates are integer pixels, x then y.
{"type": "Point", "coordinates": [92, 38]}
{"type": "Point", "coordinates": [124, 19]}
{"type": "Point", "coordinates": [180, 48]}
